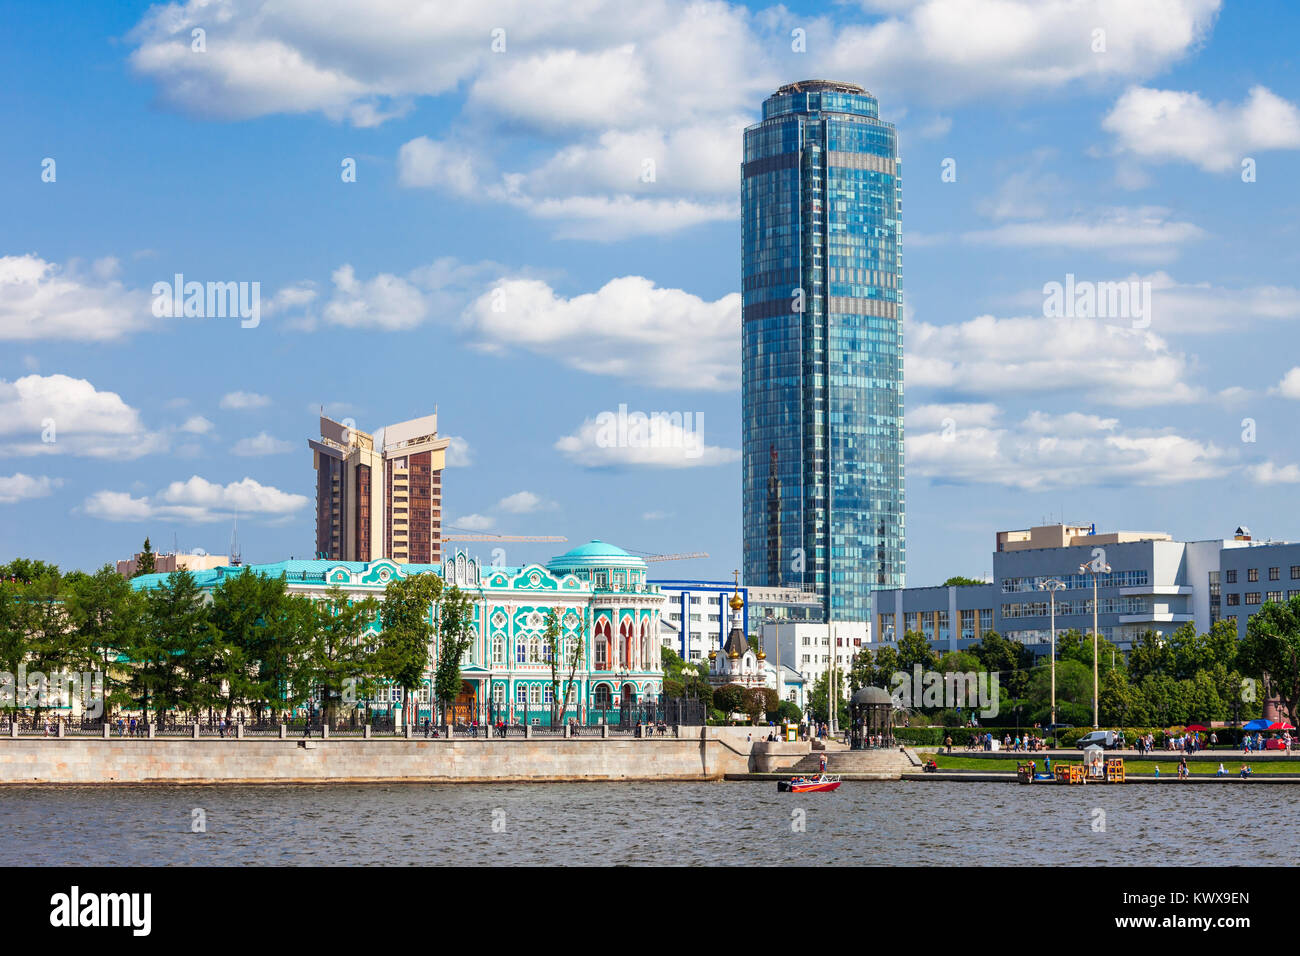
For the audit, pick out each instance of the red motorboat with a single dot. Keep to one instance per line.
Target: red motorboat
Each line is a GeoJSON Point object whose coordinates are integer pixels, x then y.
{"type": "Point", "coordinates": [815, 783]}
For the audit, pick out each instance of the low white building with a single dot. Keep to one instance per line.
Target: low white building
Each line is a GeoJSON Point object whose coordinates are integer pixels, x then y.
{"type": "Point", "coordinates": [807, 648]}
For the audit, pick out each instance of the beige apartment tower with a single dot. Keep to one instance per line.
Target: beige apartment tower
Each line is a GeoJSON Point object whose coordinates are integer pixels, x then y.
{"type": "Point", "coordinates": [379, 498]}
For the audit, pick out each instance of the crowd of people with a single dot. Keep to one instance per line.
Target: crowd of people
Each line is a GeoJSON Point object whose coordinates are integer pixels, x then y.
{"type": "Point", "coordinates": [1016, 744]}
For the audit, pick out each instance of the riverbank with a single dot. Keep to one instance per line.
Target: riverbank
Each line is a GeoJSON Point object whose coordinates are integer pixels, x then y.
{"type": "Point", "coordinates": [976, 776]}
{"type": "Point", "coordinates": [700, 754]}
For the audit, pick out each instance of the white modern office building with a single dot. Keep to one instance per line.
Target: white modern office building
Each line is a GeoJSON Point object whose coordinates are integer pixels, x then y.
{"type": "Point", "coordinates": [1145, 581]}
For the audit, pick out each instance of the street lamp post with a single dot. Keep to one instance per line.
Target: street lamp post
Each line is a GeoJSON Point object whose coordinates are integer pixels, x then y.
{"type": "Point", "coordinates": [1094, 570]}
{"type": "Point", "coordinates": [1051, 586]}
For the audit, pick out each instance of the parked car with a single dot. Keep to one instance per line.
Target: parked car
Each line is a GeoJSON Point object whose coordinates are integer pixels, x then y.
{"type": "Point", "coordinates": [1102, 738]}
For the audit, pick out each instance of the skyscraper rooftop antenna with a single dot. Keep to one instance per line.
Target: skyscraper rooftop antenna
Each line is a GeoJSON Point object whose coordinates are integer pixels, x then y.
{"type": "Point", "coordinates": [234, 543]}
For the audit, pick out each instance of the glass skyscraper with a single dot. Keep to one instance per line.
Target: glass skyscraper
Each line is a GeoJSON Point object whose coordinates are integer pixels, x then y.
{"type": "Point", "coordinates": [822, 347]}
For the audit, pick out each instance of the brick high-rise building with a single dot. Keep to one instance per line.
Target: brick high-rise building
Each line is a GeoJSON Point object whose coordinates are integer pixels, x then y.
{"type": "Point", "coordinates": [379, 499]}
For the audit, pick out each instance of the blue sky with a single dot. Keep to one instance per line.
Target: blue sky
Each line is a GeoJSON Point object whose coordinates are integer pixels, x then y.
{"type": "Point", "coordinates": [1112, 156]}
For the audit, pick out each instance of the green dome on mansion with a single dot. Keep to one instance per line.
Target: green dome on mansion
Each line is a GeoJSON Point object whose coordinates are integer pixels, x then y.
{"type": "Point", "coordinates": [595, 554]}
{"type": "Point", "coordinates": [604, 565]}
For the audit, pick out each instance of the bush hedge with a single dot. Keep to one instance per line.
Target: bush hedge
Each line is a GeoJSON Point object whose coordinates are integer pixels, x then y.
{"type": "Point", "coordinates": [935, 736]}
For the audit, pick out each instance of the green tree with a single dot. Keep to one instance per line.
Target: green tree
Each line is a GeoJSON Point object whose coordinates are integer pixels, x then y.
{"type": "Point", "coordinates": [758, 702]}
{"type": "Point", "coordinates": [729, 698]}
{"type": "Point", "coordinates": [455, 635]}
{"type": "Point", "coordinates": [561, 655]}
{"type": "Point", "coordinates": [788, 713]}
{"type": "Point", "coordinates": [1191, 652]}
{"type": "Point", "coordinates": [147, 562]}
{"type": "Point", "coordinates": [959, 581]}
{"type": "Point", "coordinates": [53, 645]}
{"type": "Point", "coordinates": [339, 652]}
{"type": "Point", "coordinates": [1073, 693]}
{"type": "Point", "coordinates": [174, 622]}
{"type": "Point", "coordinates": [1121, 704]}
{"type": "Point", "coordinates": [1222, 643]}
{"type": "Point", "coordinates": [1270, 652]}
{"type": "Point", "coordinates": [240, 611]}
{"type": "Point", "coordinates": [106, 613]}
{"type": "Point", "coordinates": [406, 616]}
{"type": "Point", "coordinates": [25, 570]}
{"type": "Point", "coordinates": [1149, 655]}
{"type": "Point", "coordinates": [819, 699]}
{"type": "Point", "coordinates": [914, 649]}
{"type": "Point", "coordinates": [1011, 660]}
{"type": "Point", "coordinates": [960, 662]}
{"type": "Point", "coordinates": [280, 648]}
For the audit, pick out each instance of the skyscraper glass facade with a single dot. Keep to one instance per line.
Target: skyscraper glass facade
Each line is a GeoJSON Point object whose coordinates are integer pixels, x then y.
{"type": "Point", "coordinates": [822, 347]}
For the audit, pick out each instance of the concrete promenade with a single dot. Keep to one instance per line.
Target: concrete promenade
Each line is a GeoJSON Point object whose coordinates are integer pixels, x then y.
{"type": "Point", "coordinates": [1221, 755]}
{"type": "Point", "coordinates": [698, 754]}
{"type": "Point", "coordinates": [980, 776]}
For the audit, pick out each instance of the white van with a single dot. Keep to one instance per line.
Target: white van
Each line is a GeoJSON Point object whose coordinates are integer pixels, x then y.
{"type": "Point", "coordinates": [1101, 738]}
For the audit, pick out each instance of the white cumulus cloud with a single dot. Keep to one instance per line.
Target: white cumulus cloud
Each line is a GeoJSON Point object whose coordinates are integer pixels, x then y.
{"type": "Point", "coordinates": [21, 487]}
{"type": "Point", "coordinates": [197, 500]}
{"type": "Point", "coordinates": [58, 414]}
{"type": "Point", "coordinates": [601, 443]}
{"type": "Point", "coordinates": [1173, 125]}
{"type": "Point", "coordinates": [42, 300]}
{"type": "Point", "coordinates": [628, 328]}
{"type": "Point", "coordinates": [261, 444]}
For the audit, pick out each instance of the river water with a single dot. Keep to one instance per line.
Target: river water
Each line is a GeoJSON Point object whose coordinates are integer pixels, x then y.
{"type": "Point", "coordinates": [663, 823]}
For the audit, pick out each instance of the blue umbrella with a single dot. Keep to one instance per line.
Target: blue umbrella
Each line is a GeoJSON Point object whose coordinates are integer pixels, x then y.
{"type": "Point", "coordinates": [1258, 724]}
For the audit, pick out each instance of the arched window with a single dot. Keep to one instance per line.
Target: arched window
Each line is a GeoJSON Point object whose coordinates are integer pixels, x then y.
{"type": "Point", "coordinates": [535, 693]}
{"type": "Point", "coordinates": [521, 651]}
{"type": "Point", "coordinates": [498, 650]}
{"type": "Point", "coordinates": [601, 697]}
{"type": "Point", "coordinates": [625, 632]}
{"type": "Point", "coordinates": [646, 660]}
{"type": "Point", "coordinates": [602, 644]}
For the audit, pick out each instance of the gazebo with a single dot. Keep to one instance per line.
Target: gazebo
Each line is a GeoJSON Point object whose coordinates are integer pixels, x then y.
{"type": "Point", "coordinates": [871, 713]}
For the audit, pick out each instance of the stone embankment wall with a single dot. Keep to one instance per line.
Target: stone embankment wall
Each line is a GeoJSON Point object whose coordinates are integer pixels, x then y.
{"type": "Point", "coordinates": [92, 761]}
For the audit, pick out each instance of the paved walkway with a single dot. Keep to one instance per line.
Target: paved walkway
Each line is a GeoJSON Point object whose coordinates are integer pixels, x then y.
{"type": "Point", "coordinates": [1223, 754]}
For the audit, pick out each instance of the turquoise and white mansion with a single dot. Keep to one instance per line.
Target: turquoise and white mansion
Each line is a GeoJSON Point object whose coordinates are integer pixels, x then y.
{"type": "Point", "coordinates": [597, 590]}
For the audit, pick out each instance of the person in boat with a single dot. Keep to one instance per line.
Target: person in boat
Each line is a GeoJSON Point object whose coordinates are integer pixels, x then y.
{"type": "Point", "coordinates": [1047, 765]}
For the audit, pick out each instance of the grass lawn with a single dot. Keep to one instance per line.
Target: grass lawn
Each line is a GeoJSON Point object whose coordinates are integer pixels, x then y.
{"type": "Point", "coordinates": [1167, 767]}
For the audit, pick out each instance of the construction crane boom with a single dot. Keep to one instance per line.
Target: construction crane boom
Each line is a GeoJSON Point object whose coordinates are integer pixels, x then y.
{"type": "Point", "coordinates": [683, 556]}
{"type": "Point", "coordinates": [503, 537]}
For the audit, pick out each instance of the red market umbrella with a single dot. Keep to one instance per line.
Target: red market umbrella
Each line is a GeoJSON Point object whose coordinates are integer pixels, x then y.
{"type": "Point", "coordinates": [1194, 727]}
{"type": "Point", "coordinates": [1277, 725]}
